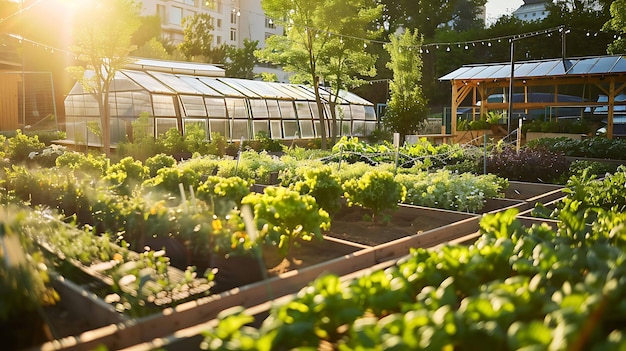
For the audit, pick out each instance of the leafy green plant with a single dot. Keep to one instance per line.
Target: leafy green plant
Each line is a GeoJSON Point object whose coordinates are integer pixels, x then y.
{"type": "Point", "coordinates": [126, 175]}
{"type": "Point", "coordinates": [83, 165]}
{"type": "Point", "coordinates": [529, 164]}
{"type": "Point", "coordinates": [157, 162]}
{"type": "Point", "coordinates": [453, 191]}
{"type": "Point", "coordinates": [322, 184]}
{"type": "Point", "coordinates": [24, 279]}
{"type": "Point", "coordinates": [597, 147]}
{"type": "Point", "coordinates": [166, 183]}
{"type": "Point", "coordinates": [22, 147]}
{"type": "Point", "coordinates": [284, 216]}
{"type": "Point", "coordinates": [223, 193]}
{"type": "Point", "coordinates": [516, 287]}
{"type": "Point", "coordinates": [263, 142]}
{"type": "Point", "coordinates": [375, 190]}
{"type": "Point", "coordinates": [493, 117]}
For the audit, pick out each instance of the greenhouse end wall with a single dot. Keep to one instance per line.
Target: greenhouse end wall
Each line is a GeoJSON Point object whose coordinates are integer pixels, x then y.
{"type": "Point", "coordinates": [235, 108]}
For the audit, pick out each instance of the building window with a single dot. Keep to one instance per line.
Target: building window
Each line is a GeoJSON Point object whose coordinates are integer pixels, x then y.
{"type": "Point", "coordinates": [219, 23]}
{"type": "Point", "coordinates": [233, 16]}
{"type": "Point", "coordinates": [209, 4]}
{"type": "Point", "coordinates": [218, 39]}
{"type": "Point", "coordinates": [269, 23]}
{"type": "Point", "coordinates": [233, 34]}
{"type": "Point", "coordinates": [162, 14]}
{"type": "Point", "coordinates": [176, 15]}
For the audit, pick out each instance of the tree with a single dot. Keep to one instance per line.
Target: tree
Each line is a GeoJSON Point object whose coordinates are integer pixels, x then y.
{"type": "Point", "coordinates": [347, 60]}
{"type": "Point", "coordinates": [198, 37]}
{"type": "Point", "coordinates": [617, 23]}
{"type": "Point", "coordinates": [240, 62]}
{"type": "Point", "coordinates": [311, 27]}
{"type": "Point", "coordinates": [103, 45]}
{"type": "Point", "coordinates": [406, 108]}
{"type": "Point", "coordinates": [426, 15]}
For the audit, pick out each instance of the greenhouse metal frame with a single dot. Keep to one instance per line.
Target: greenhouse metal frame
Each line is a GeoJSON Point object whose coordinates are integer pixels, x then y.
{"type": "Point", "coordinates": [235, 108]}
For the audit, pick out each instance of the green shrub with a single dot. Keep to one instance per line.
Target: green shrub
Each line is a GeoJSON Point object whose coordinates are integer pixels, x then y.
{"type": "Point", "coordinates": [159, 161]}
{"type": "Point", "coordinates": [375, 190]}
{"type": "Point", "coordinates": [323, 185]}
{"type": "Point", "coordinates": [529, 164]}
{"type": "Point", "coordinates": [22, 147]}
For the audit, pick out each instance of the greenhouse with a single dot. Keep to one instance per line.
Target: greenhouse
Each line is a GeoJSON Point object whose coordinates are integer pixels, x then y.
{"type": "Point", "coordinates": [178, 94]}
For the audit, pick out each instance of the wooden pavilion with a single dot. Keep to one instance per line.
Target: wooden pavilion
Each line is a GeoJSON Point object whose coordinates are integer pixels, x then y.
{"type": "Point", "coordinates": [587, 77]}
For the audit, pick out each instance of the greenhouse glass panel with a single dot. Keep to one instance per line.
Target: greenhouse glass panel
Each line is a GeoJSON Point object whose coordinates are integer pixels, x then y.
{"type": "Point", "coordinates": [358, 128]}
{"type": "Point", "coordinates": [345, 127]}
{"type": "Point", "coordinates": [258, 108]}
{"type": "Point", "coordinates": [191, 124]}
{"type": "Point", "coordinates": [306, 128]}
{"type": "Point", "coordinates": [121, 104]}
{"type": "Point", "coordinates": [163, 105]}
{"type": "Point", "coordinates": [272, 109]}
{"type": "Point", "coordinates": [121, 128]}
{"type": "Point", "coordinates": [74, 105]}
{"type": "Point", "coordinates": [318, 129]}
{"type": "Point", "coordinates": [70, 126]}
{"type": "Point", "coordinates": [199, 86]}
{"type": "Point", "coordinates": [141, 103]}
{"type": "Point", "coordinates": [303, 110]}
{"type": "Point", "coordinates": [173, 82]}
{"type": "Point", "coordinates": [357, 112]}
{"type": "Point", "coordinates": [287, 110]}
{"type": "Point", "coordinates": [290, 127]}
{"type": "Point", "coordinates": [236, 108]}
{"type": "Point", "coordinates": [123, 83]}
{"type": "Point", "coordinates": [165, 124]}
{"type": "Point", "coordinates": [260, 126]}
{"type": "Point", "coordinates": [219, 126]}
{"type": "Point", "coordinates": [148, 82]}
{"type": "Point", "coordinates": [216, 107]}
{"type": "Point", "coordinates": [370, 113]}
{"type": "Point", "coordinates": [344, 112]}
{"type": "Point", "coordinates": [275, 129]}
{"type": "Point", "coordinates": [220, 87]}
{"type": "Point", "coordinates": [239, 129]}
{"type": "Point", "coordinates": [91, 106]}
{"type": "Point", "coordinates": [193, 105]}
{"type": "Point", "coordinates": [370, 127]}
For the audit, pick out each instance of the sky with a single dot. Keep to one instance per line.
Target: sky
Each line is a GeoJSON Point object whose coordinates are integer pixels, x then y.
{"type": "Point", "coordinates": [497, 8]}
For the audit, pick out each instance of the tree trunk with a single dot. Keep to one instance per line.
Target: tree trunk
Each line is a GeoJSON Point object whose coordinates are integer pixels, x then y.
{"type": "Point", "coordinates": [320, 110]}
{"type": "Point", "coordinates": [105, 114]}
{"type": "Point", "coordinates": [333, 122]}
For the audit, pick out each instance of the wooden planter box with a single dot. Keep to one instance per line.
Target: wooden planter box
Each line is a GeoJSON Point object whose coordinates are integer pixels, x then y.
{"type": "Point", "coordinates": [500, 204]}
{"type": "Point", "coordinates": [191, 337]}
{"type": "Point", "coordinates": [538, 135]}
{"type": "Point", "coordinates": [532, 193]}
{"type": "Point", "coordinates": [188, 316]}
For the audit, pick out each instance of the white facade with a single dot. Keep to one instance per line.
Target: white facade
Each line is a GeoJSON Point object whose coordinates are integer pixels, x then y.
{"type": "Point", "coordinates": [532, 10]}
{"type": "Point", "coordinates": [233, 21]}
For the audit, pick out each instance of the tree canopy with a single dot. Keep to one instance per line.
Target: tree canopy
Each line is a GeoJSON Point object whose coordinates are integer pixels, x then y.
{"type": "Point", "coordinates": [406, 108]}
{"type": "Point", "coordinates": [198, 36]}
{"type": "Point", "coordinates": [240, 61]}
{"type": "Point", "coordinates": [103, 44]}
{"type": "Point", "coordinates": [312, 40]}
{"type": "Point", "coordinates": [617, 23]}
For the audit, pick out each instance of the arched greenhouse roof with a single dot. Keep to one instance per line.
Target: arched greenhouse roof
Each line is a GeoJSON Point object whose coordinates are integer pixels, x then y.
{"type": "Point", "coordinates": [184, 94]}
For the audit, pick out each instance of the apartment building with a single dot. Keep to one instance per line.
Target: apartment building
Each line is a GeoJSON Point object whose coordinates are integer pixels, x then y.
{"type": "Point", "coordinates": [532, 10]}
{"type": "Point", "coordinates": [233, 21]}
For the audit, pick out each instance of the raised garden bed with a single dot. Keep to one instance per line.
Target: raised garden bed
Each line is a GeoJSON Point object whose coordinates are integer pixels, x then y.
{"type": "Point", "coordinates": [195, 312]}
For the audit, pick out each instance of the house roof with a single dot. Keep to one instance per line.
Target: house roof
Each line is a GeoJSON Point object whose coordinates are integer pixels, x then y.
{"type": "Point", "coordinates": [600, 65]}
